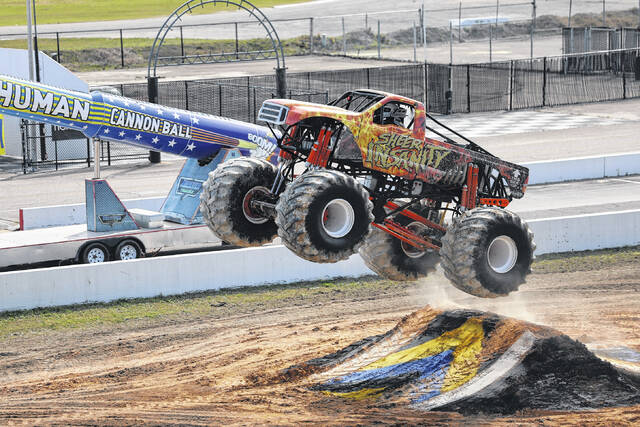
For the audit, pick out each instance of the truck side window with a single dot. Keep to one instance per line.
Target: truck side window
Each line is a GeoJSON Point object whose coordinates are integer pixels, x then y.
{"type": "Point", "coordinates": [395, 113]}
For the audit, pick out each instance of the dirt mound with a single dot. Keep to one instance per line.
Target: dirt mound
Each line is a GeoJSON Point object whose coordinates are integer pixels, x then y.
{"type": "Point", "coordinates": [472, 362]}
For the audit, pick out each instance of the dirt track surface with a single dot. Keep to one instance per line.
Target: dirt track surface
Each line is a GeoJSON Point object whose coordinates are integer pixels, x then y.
{"type": "Point", "coordinates": [226, 369]}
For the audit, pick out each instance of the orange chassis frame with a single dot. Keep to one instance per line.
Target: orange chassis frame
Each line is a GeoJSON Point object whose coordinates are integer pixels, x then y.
{"type": "Point", "coordinates": [319, 157]}
{"type": "Point", "coordinates": [469, 196]}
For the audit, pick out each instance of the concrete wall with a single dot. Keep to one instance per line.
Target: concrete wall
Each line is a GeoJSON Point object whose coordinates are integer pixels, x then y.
{"type": "Point", "coordinates": [592, 167]}
{"type": "Point", "coordinates": [164, 276]}
{"type": "Point", "coordinates": [258, 266]}
{"type": "Point", "coordinates": [586, 232]}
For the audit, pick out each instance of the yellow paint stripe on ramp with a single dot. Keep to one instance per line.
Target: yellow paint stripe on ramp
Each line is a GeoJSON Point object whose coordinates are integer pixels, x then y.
{"type": "Point", "coordinates": [357, 395]}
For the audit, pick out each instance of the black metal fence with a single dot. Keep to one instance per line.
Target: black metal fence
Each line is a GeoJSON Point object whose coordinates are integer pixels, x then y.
{"type": "Point", "coordinates": [538, 82]}
{"type": "Point", "coordinates": [592, 39]}
{"type": "Point", "coordinates": [240, 98]}
{"type": "Point", "coordinates": [237, 98]}
{"type": "Point", "coordinates": [509, 85]}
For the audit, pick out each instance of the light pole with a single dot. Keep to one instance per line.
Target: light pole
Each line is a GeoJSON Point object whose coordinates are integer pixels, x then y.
{"type": "Point", "coordinates": [533, 23]}
{"type": "Point", "coordinates": [29, 40]}
{"type": "Point", "coordinates": [35, 43]}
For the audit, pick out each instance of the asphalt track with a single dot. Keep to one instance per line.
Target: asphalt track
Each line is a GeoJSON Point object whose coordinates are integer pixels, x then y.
{"type": "Point", "coordinates": [580, 197]}
{"type": "Point", "coordinates": [153, 180]}
{"type": "Point", "coordinates": [328, 15]}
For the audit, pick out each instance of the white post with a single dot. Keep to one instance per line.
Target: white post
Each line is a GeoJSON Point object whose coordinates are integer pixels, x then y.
{"type": "Point", "coordinates": [571, 40]}
{"type": "Point", "coordinates": [415, 40]}
{"type": "Point", "coordinates": [450, 42]}
{"type": "Point", "coordinates": [96, 155]}
{"type": "Point", "coordinates": [344, 39]}
{"type": "Point", "coordinates": [604, 16]}
{"type": "Point", "coordinates": [379, 39]}
{"type": "Point", "coordinates": [570, 5]}
{"type": "Point", "coordinates": [459, 22]}
{"type": "Point", "coordinates": [424, 31]}
{"type": "Point", "coordinates": [30, 40]}
{"type": "Point", "coordinates": [490, 43]}
{"type": "Point", "coordinates": [533, 23]}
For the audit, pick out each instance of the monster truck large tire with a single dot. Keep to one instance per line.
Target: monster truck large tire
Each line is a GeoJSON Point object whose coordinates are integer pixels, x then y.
{"type": "Point", "coordinates": [324, 216]}
{"type": "Point", "coordinates": [225, 202]}
{"type": "Point", "coordinates": [487, 252]}
{"type": "Point", "coordinates": [392, 259]}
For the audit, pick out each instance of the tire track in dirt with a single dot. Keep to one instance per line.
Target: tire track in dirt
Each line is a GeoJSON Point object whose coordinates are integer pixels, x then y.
{"type": "Point", "coordinates": [215, 370]}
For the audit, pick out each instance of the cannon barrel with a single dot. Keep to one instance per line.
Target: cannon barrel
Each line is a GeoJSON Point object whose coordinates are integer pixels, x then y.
{"type": "Point", "coordinates": [116, 118]}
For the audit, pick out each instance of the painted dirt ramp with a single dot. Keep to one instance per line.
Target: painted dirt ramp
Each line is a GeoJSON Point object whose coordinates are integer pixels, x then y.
{"type": "Point", "coordinates": [472, 362]}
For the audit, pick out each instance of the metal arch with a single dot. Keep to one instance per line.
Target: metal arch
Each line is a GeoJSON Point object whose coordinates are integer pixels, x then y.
{"type": "Point", "coordinates": [190, 5]}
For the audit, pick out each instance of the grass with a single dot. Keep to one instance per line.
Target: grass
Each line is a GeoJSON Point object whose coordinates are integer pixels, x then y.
{"type": "Point", "coordinates": [246, 300]}
{"type": "Point", "coordinates": [64, 11]}
{"type": "Point", "coordinates": [94, 53]}
{"type": "Point", "coordinates": [188, 306]}
{"type": "Point", "coordinates": [87, 43]}
{"type": "Point", "coordinates": [586, 261]}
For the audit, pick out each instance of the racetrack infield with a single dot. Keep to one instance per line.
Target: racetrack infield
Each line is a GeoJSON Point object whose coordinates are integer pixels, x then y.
{"type": "Point", "coordinates": [232, 364]}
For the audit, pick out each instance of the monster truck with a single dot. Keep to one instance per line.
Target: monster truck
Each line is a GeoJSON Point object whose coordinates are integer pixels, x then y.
{"type": "Point", "coordinates": [360, 174]}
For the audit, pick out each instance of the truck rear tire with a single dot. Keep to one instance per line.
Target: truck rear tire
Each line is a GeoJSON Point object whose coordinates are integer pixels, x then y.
{"type": "Point", "coordinates": [225, 202]}
{"type": "Point", "coordinates": [324, 216]}
{"type": "Point", "coordinates": [386, 255]}
{"type": "Point", "coordinates": [487, 252]}
{"type": "Point", "coordinates": [393, 259]}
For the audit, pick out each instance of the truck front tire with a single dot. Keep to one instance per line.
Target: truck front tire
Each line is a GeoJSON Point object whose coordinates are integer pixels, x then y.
{"type": "Point", "coordinates": [487, 252]}
{"type": "Point", "coordinates": [324, 216]}
{"type": "Point", "coordinates": [226, 197]}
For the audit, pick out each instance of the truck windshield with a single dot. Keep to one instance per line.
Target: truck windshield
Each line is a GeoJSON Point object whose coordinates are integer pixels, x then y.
{"type": "Point", "coordinates": [357, 101]}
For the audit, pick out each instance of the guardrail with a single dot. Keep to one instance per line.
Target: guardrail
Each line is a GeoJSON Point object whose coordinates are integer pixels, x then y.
{"type": "Point", "coordinates": [592, 167]}
{"type": "Point", "coordinates": [170, 275]}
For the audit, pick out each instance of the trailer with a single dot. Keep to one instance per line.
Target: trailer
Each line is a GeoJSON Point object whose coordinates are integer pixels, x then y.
{"type": "Point", "coordinates": [112, 229]}
{"type": "Point", "coordinates": [75, 244]}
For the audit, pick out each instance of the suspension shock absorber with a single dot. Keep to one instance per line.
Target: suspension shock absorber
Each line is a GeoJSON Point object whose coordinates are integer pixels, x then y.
{"type": "Point", "coordinates": [470, 188]}
{"type": "Point", "coordinates": [320, 151]}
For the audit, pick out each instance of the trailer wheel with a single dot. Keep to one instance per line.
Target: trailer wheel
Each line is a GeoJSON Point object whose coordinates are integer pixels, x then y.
{"type": "Point", "coordinates": [128, 249]}
{"type": "Point", "coordinates": [487, 252]}
{"type": "Point", "coordinates": [226, 202]}
{"type": "Point", "coordinates": [95, 253]}
{"type": "Point", "coordinates": [324, 216]}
